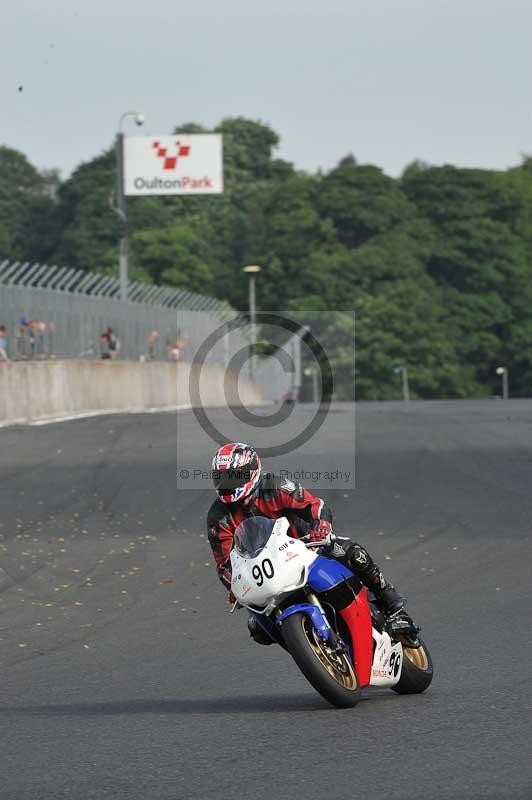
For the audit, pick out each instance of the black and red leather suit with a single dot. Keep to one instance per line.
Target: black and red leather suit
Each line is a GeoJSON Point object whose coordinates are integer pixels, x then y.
{"type": "Point", "coordinates": [276, 497]}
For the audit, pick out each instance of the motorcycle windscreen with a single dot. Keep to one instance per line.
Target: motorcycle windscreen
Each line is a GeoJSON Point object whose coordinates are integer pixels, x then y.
{"type": "Point", "coordinates": [252, 535]}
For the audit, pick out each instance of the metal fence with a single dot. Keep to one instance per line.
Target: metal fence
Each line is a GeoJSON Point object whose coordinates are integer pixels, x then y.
{"type": "Point", "coordinates": [62, 313]}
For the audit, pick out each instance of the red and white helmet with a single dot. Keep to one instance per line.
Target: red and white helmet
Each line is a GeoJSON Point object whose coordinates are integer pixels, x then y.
{"type": "Point", "coordinates": [235, 471]}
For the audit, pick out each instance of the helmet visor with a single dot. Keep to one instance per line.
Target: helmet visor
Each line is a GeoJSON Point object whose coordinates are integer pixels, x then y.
{"type": "Point", "coordinates": [226, 481]}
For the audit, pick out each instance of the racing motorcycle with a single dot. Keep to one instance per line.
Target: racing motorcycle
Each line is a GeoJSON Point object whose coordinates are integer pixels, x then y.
{"type": "Point", "coordinates": [318, 610]}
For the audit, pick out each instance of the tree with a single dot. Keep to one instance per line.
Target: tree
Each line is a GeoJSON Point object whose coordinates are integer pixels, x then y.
{"type": "Point", "coordinates": [361, 202]}
{"type": "Point", "coordinates": [26, 208]}
{"type": "Point", "coordinates": [176, 256]}
{"type": "Point", "coordinates": [248, 148]}
{"type": "Point", "coordinates": [88, 225]}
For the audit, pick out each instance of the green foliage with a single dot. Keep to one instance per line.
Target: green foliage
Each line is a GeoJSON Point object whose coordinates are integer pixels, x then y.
{"type": "Point", "coordinates": [248, 148]}
{"type": "Point", "coordinates": [85, 219]}
{"type": "Point", "coordinates": [437, 265]}
{"type": "Point", "coordinates": [362, 202]}
{"type": "Point", "coordinates": [26, 207]}
{"type": "Point", "coordinates": [176, 256]}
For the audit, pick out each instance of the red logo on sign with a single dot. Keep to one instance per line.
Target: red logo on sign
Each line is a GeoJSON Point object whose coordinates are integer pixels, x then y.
{"type": "Point", "coordinates": [170, 162]}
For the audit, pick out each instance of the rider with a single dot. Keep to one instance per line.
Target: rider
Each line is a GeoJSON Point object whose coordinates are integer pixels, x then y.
{"type": "Point", "coordinates": [243, 491]}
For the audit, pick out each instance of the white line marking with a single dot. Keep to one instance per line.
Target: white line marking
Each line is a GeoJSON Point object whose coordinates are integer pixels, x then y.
{"type": "Point", "coordinates": [89, 414]}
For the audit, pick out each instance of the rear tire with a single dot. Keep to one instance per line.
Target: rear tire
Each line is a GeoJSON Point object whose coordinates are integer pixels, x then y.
{"type": "Point", "coordinates": [331, 674]}
{"type": "Point", "coordinates": [417, 671]}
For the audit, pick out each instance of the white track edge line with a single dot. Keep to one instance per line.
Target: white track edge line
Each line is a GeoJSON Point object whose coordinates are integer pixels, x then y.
{"type": "Point", "coordinates": [89, 414]}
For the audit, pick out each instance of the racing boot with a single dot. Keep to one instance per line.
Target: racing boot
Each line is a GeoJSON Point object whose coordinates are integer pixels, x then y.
{"type": "Point", "coordinates": [403, 628]}
{"type": "Point", "coordinates": [257, 633]}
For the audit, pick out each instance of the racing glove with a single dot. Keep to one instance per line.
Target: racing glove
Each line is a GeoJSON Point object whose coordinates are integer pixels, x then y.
{"type": "Point", "coordinates": [321, 532]}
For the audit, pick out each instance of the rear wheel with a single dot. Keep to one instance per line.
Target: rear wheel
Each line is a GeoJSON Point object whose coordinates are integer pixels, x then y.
{"type": "Point", "coordinates": [416, 674]}
{"type": "Point", "coordinates": [330, 673]}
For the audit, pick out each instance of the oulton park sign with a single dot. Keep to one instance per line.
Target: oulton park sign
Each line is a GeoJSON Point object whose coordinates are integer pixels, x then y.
{"type": "Point", "coordinates": [179, 164]}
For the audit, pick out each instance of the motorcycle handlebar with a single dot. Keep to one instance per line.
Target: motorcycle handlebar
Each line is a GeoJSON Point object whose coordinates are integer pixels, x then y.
{"type": "Point", "coordinates": [324, 542]}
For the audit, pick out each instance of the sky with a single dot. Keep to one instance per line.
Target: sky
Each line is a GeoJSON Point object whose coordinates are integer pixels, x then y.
{"type": "Point", "coordinates": [389, 81]}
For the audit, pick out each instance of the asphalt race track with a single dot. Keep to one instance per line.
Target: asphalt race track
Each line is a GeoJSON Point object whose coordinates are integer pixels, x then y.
{"type": "Point", "coordinates": [124, 676]}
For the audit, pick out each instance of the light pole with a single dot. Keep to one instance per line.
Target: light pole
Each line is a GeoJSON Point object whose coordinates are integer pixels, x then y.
{"type": "Point", "coordinates": [312, 372]}
{"type": "Point", "coordinates": [504, 372]}
{"type": "Point", "coordinates": [122, 208]}
{"type": "Point", "coordinates": [252, 271]}
{"type": "Point", "coordinates": [406, 385]}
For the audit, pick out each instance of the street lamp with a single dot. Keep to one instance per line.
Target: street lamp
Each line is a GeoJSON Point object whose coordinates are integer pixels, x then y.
{"type": "Point", "coordinates": [406, 385]}
{"type": "Point", "coordinates": [252, 271]}
{"type": "Point", "coordinates": [312, 372]}
{"type": "Point", "coordinates": [122, 208]}
{"type": "Point", "coordinates": [504, 372]}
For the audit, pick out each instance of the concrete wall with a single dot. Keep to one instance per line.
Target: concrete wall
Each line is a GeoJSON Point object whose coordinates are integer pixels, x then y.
{"type": "Point", "coordinates": [31, 391]}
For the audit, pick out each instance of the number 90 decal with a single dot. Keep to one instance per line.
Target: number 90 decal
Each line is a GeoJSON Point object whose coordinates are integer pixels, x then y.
{"type": "Point", "coordinates": [267, 571]}
{"type": "Point", "coordinates": [395, 663]}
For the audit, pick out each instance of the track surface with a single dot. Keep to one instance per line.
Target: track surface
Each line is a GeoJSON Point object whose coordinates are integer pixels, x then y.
{"type": "Point", "coordinates": [123, 675]}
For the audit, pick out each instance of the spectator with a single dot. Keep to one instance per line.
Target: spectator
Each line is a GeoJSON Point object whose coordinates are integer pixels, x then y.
{"type": "Point", "coordinates": [114, 343]}
{"type": "Point", "coordinates": [153, 341]}
{"type": "Point", "coordinates": [105, 346]}
{"type": "Point", "coordinates": [109, 344]}
{"type": "Point", "coordinates": [3, 343]}
{"type": "Point", "coordinates": [23, 339]}
{"type": "Point", "coordinates": [37, 337]}
{"type": "Point", "coordinates": [174, 351]}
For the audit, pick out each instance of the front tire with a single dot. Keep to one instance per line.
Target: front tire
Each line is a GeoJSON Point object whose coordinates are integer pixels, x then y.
{"type": "Point", "coordinates": [331, 674]}
{"type": "Point", "coordinates": [417, 671]}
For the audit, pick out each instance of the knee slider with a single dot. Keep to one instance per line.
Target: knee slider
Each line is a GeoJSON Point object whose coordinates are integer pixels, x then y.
{"type": "Point", "coordinates": [360, 560]}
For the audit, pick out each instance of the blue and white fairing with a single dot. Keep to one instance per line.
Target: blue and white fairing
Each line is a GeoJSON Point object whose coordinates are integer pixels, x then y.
{"type": "Point", "coordinates": [267, 563]}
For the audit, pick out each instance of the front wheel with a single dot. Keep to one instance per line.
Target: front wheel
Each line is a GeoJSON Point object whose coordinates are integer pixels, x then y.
{"type": "Point", "coordinates": [330, 673]}
{"type": "Point", "coordinates": [416, 674]}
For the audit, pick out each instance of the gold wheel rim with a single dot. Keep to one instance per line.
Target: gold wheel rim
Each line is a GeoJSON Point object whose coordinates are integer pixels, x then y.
{"type": "Point", "coordinates": [343, 672]}
{"type": "Point", "coordinates": [417, 656]}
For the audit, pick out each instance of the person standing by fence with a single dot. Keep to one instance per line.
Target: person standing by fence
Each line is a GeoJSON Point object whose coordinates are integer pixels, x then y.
{"type": "Point", "coordinates": [23, 339]}
{"type": "Point", "coordinates": [3, 343]}
{"type": "Point", "coordinates": [114, 343]}
{"type": "Point", "coordinates": [37, 338]}
{"type": "Point", "coordinates": [175, 350]}
{"type": "Point", "coordinates": [109, 345]}
{"type": "Point", "coordinates": [104, 346]}
{"type": "Point", "coordinates": [153, 344]}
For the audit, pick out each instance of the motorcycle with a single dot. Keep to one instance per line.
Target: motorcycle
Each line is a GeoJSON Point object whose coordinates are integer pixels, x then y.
{"type": "Point", "coordinates": [318, 610]}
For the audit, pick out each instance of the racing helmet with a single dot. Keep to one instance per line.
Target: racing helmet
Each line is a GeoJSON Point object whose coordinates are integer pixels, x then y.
{"type": "Point", "coordinates": [235, 471]}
